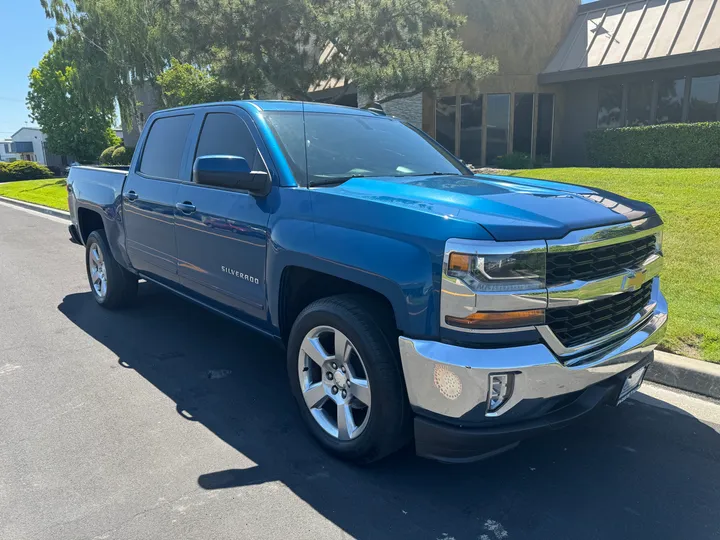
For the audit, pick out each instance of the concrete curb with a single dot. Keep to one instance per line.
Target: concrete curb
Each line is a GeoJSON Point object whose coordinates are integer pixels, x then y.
{"type": "Point", "coordinates": [38, 208]}
{"type": "Point", "coordinates": [687, 374]}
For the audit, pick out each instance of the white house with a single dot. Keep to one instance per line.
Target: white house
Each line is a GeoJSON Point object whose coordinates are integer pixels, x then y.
{"type": "Point", "coordinates": [6, 151]}
{"type": "Point", "coordinates": [29, 144]}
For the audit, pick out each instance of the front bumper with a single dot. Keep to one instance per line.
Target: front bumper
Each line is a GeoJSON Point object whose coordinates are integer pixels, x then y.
{"type": "Point", "coordinates": [448, 387]}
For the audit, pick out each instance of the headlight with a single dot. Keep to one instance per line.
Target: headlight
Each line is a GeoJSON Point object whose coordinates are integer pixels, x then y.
{"type": "Point", "coordinates": [499, 272]}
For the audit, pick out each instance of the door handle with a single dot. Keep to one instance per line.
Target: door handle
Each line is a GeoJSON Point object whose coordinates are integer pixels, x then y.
{"type": "Point", "coordinates": [185, 207]}
{"type": "Point", "coordinates": [131, 196]}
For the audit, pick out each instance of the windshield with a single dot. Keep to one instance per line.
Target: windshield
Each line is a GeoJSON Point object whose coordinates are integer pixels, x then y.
{"type": "Point", "coordinates": [343, 146]}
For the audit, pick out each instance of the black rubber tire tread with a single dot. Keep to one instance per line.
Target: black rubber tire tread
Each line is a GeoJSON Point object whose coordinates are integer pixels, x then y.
{"type": "Point", "coordinates": [389, 426]}
{"type": "Point", "coordinates": [122, 285]}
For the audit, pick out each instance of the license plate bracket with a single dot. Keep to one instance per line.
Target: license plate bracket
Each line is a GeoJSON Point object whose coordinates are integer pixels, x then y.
{"type": "Point", "coordinates": [631, 384]}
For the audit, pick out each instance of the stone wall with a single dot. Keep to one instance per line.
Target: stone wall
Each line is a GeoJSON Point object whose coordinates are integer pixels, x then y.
{"type": "Point", "coordinates": [408, 109]}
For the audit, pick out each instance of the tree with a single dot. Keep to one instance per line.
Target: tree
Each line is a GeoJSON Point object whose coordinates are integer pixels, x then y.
{"type": "Point", "coordinates": [74, 124]}
{"type": "Point", "coordinates": [126, 43]}
{"type": "Point", "coordinates": [391, 48]}
{"type": "Point", "coordinates": [185, 84]}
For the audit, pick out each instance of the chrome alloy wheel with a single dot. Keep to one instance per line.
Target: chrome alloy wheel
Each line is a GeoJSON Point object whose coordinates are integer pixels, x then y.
{"type": "Point", "coordinates": [334, 383]}
{"type": "Point", "coordinates": [98, 275]}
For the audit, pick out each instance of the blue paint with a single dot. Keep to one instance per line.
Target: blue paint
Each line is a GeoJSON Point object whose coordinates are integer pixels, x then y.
{"type": "Point", "coordinates": [384, 233]}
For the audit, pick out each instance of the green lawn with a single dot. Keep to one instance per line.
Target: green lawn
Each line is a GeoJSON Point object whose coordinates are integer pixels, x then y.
{"type": "Point", "coordinates": [688, 200]}
{"type": "Point", "coordinates": [46, 192]}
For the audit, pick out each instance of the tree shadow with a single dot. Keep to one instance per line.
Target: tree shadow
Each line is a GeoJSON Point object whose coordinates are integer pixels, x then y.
{"type": "Point", "coordinates": [636, 471]}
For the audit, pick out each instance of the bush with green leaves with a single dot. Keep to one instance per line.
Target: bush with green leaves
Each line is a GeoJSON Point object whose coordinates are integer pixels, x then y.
{"type": "Point", "coordinates": [24, 170]}
{"type": "Point", "coordinates": [122, 155]}
{"type": "Point", "coordinates": [661, 146]}
{"type": "Point", "coordinates": [515, 160]}
{"type": "Point", "coordinates": [106, 158]}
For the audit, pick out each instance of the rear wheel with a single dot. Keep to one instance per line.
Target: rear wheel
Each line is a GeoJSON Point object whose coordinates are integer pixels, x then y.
{"type": "Point", "coordinates": [347, 381]}
{"type": "Point", "coordinates": [111, 285]}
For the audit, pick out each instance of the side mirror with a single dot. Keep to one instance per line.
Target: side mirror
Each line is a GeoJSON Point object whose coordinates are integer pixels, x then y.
{"type": "Point", "coordinates": [231, 172]}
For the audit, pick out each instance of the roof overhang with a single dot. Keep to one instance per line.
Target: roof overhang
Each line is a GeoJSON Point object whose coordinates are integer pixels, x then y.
{"type": "Point", "coordinates": [616, 37]}
{"type": "Point", "coordinates": [641, 66]}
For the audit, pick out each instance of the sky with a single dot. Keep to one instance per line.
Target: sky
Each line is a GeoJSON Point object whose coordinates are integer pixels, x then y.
{"type": "Point", "coordinates": [24, 41]}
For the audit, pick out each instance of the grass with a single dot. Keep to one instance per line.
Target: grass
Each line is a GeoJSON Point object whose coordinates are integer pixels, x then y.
{"type": "Point", "coordinates": [50, 193]}
{"type": "Point", "coordinates": [688, 200]}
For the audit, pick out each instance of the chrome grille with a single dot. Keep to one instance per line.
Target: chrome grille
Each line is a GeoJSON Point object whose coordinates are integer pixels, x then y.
{"type": "Point", "coordinates": [580, 324]}
{"type": "Point", "coordinates": [591, 264]}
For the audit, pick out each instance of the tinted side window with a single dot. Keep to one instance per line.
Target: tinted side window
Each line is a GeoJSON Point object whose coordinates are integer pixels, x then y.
{"type": "Point", "coordinates": [164, 147]}
{"type": "Point", "coordinates": [225, 134]}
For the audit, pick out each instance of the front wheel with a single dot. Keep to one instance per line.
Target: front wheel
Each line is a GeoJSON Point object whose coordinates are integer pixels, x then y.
{"type": "Point", "coordinates": [347, 381]}
{"type": "Point", "coordinates": [112, 286]}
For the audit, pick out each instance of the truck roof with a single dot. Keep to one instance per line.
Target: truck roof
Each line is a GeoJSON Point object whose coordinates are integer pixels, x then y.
{"type": "Point", "coordinates": [283, 105]}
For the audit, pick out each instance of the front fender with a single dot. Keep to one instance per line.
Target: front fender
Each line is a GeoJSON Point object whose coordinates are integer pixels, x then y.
{"type": "Point", "coordinates": [399, 271]}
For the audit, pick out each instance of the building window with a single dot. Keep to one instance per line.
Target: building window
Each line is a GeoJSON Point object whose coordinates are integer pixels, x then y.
{"type": "Point", "coordinates": [445, 122]}
{"type": "Point", "coordinates": [671, 96]}
{"type": "Point", "coordinates": [471, 116]}
{"type": "Point", "coordinates": [544, 134]}
{"type": "Point", "coordinates": [498, 126]}
{"type": "Point", "coordinates": [704, 92]}
{"type": "Point", "coordinates": [610, 99]}
{"type": "Point", "coordinates": [523, 123]}
{"type": "Point", "coordinates": [639, 103]}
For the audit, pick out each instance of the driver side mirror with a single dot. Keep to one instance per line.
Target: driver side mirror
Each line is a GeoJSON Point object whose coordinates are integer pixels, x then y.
{"type": "Point", "coordinates": [232, 172]}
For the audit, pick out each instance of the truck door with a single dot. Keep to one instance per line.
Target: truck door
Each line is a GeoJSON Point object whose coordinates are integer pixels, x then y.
{"type": "Point", "coordinates": [221, 234]}
{"type": "Point", "coordinates": [149, 198]}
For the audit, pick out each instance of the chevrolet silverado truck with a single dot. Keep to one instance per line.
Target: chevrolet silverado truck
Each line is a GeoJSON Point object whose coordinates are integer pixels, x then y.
{"type": "Point", "coordinates": [416, 300]}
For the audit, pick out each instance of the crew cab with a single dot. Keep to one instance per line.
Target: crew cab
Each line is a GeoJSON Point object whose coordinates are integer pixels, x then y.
{"type": "Point", "coordinates": [416, 300]}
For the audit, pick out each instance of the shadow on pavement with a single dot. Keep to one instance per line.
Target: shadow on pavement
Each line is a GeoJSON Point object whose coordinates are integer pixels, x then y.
{"type": "Point", "coordinates": [636, 471]}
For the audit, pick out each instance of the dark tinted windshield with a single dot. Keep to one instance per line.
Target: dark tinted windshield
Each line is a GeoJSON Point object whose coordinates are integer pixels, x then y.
{"type": "Point", "coordinates": [342, 146]}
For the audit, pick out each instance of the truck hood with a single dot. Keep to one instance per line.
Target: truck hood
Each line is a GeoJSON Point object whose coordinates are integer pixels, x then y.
{"type": "Point", "coordinates": [508, 208]}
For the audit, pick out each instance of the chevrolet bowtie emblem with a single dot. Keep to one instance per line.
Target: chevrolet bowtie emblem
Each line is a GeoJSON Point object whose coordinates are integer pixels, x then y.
{"type": "Point", "coordinates": [633, 280]}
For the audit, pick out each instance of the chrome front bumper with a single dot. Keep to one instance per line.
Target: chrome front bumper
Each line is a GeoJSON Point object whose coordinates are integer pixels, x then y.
{"type": "Point", "coordinates": [453, 382]}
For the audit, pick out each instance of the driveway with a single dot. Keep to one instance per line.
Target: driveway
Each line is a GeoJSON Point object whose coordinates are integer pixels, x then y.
{"type": "Point", "coordinates": [165, 421]}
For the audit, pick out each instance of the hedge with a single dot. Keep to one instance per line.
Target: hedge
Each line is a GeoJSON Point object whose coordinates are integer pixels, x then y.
{"type": "Point", "coordinates": [117, 155]}
{"type": "Point", "coordinates": [106, 156]}
{"type": "Point", "coordinates": [122, 155]}
{"type": "Point", "coordinates": [662, 146]}
{"type": "Point", "coordinates": [23, 170]}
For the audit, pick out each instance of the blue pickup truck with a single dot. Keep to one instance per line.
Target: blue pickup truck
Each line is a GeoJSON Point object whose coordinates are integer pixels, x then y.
{"type": "Point", "coordinates": [416, 300]}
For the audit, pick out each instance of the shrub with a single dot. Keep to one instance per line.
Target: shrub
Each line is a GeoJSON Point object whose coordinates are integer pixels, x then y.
{"type": "Point", "coordinates": [516, 160]}
{"type": "Point", "coordinates": [122, 155]}
{"type": "Point", "coordinates": [106, 158]}
{"type": "Point", "coordinates": [662, 146]}
{"type": "Point", "coordinates": [24, 170]}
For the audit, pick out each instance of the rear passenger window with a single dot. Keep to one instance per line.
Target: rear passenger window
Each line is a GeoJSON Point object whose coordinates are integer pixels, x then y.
{"type": "Point", "coordinates": [164, 147]}
{"type": "Point", "coordinates": [224, 134]}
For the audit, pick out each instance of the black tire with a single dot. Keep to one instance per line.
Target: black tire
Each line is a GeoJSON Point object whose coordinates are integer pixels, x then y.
{"type": "Point", "coordinates": [389, 425]}
{"type": "Point", "coordinates": [122, 285]}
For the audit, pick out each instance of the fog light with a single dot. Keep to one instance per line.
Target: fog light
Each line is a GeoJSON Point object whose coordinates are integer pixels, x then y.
{"type": "Point", "coordinates": [499, 391]}
{"type": "Point", "coordinates": [447, 382]}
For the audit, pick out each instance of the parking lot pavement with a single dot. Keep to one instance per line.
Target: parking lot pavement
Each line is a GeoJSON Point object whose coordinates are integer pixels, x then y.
{"type": "Point", "coordinates": [165, 421]}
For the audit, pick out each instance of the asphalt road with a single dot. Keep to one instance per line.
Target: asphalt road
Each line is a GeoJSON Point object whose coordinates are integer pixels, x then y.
{"type": "Point", "coordinates": [167, 422]}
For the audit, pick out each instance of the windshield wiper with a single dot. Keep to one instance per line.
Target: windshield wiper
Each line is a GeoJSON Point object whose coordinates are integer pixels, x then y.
{"type": "Point", "coordinates": [434, 173]}
{"type": "Point", "coordinates": [335, 181]}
